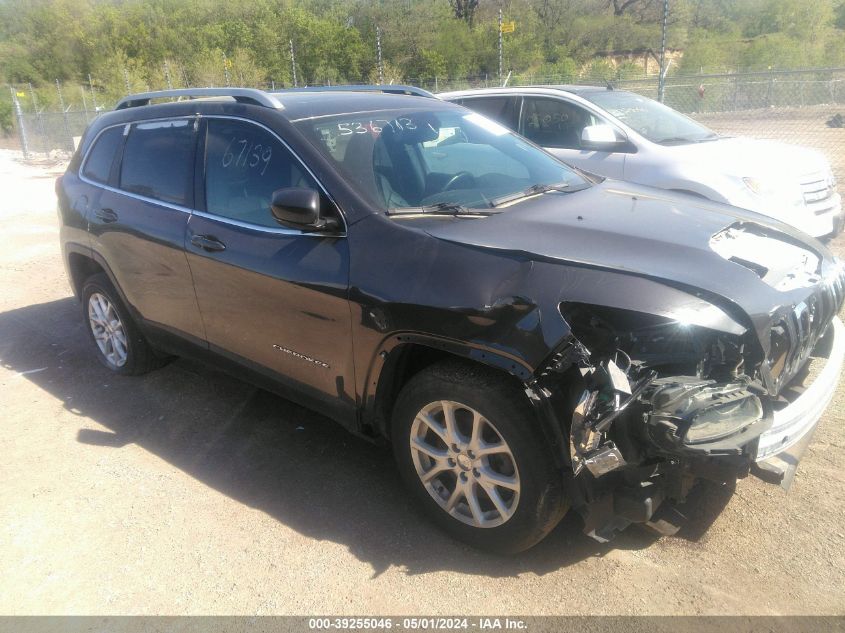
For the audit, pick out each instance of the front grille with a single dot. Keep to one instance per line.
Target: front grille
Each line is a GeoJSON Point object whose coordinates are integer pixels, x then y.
{"type": "Point", "coordinates": [817, 187]}
{"type": "Point", "coordinates": [804, 326]}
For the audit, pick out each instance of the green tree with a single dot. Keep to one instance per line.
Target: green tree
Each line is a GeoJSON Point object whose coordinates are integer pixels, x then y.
{"type": "Point", "coordinates": [116, 40]}
{"type": "Point", "coordinates": [6, 126]}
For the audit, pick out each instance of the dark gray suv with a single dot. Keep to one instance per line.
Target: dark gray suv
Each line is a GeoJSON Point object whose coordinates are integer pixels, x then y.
{"type": "Point", "coordinates": [526, 337]}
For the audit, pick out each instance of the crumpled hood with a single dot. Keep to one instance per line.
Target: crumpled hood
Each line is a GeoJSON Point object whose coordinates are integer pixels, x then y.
{"type": "Point", "coordinates": [643, 231]}
{"type": "Point", "coordinates": [756, 158]}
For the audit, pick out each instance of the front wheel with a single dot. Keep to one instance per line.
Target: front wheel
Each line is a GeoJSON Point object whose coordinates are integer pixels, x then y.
{"type": "Point", "coordinates": [467, 445]}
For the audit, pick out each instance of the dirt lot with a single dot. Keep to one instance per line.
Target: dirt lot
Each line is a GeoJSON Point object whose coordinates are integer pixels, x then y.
{"type": "Point", "coordinates": [188, 492]}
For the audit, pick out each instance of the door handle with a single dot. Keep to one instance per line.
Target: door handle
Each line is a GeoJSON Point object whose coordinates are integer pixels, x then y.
{"type": "Point", "coordinates": [106, 215]}
{"type": "Point", "coordinates": [207, 243]}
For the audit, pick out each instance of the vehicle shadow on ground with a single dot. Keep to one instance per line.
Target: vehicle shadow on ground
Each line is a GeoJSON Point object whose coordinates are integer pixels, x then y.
{"type": "Point", "coordinates": [298, 467]}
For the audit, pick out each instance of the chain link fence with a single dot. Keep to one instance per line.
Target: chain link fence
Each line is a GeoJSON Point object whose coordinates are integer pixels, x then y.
{"type": "Point", "coordinates": [48, 132]}
{"type": "Point", "coordinates": [804, 107]}
{"type": "Point", "coordinates": [798, 107]}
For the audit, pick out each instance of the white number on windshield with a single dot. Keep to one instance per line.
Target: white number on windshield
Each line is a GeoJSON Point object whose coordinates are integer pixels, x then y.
{"type": "Point", "coordinates": [241, 153]}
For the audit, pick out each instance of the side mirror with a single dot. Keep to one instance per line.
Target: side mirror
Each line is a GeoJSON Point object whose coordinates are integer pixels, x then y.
{"type": "Point", "coordinates": [601, 138]}
{"type": "Point", "coordinates": [299, 208]}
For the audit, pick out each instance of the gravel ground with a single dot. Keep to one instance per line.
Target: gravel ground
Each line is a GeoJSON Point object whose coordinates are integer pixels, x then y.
{"type": "Point", "coordinates": [189, 492]}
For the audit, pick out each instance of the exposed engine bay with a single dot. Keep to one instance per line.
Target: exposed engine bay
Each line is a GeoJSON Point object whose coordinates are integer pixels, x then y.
{"type": "Point", "coordinates": [664, 404]}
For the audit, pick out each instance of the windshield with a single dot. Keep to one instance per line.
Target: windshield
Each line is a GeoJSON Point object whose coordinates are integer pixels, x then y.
{"type": "Point", "coordinates": [449, 158]}
{"type": "Point", "coordinates": [653, 120]}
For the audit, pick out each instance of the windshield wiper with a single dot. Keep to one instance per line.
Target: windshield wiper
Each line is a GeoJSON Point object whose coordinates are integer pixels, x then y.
{"type": "Point", "coordinates": [441, 208]}
{"type": "Point", "coordinates": [533, 190]}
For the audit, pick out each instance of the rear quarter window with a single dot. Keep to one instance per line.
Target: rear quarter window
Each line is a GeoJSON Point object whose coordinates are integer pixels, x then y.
{"type": "Point", "coordinates": [158, 161]}
{"type": "Point", "coordinates": [98, 164]}
{"type": "Point", "coordinates": [502, 109]}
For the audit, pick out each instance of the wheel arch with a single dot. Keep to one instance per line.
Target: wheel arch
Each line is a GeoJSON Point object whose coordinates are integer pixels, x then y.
{"type": "Point", "coordinates": [82, 265]}
{"type": "Point", "coordinates": [402, 356]}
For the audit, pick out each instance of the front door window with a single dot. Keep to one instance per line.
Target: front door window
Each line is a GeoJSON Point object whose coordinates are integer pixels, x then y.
{"type": "Point", "coordinates": [555, 122]}
{"type": "Point", "coordinates": [244, 165]}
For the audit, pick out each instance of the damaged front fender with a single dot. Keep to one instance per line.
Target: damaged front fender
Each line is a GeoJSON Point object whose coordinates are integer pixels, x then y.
{"type": "Point", "coordinates": [678, 388]}
{"type": "Point", "coordinates": [661, 404]}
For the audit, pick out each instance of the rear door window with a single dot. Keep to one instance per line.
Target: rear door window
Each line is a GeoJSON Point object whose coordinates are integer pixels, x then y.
{"type": "Point", "coordinates": [100, 159]}
{"type": "Point", "coordinates": [244, 165]}
{"type": "Point", "coordinates": [503, 109]}
{"type": "Point", "coordinates": [158, 161]}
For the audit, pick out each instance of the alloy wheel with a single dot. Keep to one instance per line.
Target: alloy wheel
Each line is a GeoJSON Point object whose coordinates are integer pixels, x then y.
{"type": "Point", "coordinates": [108, 330]}
{"type": "Point", "coordinates": [465, 464]}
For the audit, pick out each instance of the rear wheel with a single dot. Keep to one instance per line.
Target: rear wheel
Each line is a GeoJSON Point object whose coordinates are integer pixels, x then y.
{"type": "Point", "coordinates": [466, 444]}
{"type": "Point", "coordinates": [119, 344]}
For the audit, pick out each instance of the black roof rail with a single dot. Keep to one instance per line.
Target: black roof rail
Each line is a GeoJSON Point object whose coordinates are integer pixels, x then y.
{"type": "Point", "coordinates": [241, 95]}
{"type": "Point", "coordinates": [397, 89]}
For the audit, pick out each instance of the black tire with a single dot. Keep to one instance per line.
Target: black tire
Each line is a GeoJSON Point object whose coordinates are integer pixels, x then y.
{"type": "Point", "coordinates": [541, 502]}
{"type": "Point", "coordinates": [140, 356]}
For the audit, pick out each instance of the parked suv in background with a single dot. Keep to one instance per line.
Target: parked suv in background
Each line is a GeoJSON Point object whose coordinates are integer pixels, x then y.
{"type": "Point", "coordinates": [526, 338]}
{"type": "Point", "coordinates": [626, 136]}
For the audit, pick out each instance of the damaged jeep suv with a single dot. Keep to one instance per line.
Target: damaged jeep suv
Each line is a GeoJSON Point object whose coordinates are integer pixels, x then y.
{"type": "Point", "coordinates": [528, 339]}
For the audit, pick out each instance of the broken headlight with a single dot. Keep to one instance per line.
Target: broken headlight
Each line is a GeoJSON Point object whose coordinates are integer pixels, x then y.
{"type": "Point", "coordinates": [723, 420]}
{"type": "Point", "coordinates": [701, 411]}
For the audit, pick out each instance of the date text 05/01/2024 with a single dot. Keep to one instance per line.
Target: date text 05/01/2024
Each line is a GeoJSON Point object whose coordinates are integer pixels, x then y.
{"type": "Point", "coordinates": [417, 623]}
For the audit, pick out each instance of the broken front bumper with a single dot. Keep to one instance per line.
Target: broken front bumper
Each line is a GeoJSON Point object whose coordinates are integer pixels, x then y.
{"type": "Point", "coordinates": [780, 448]}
